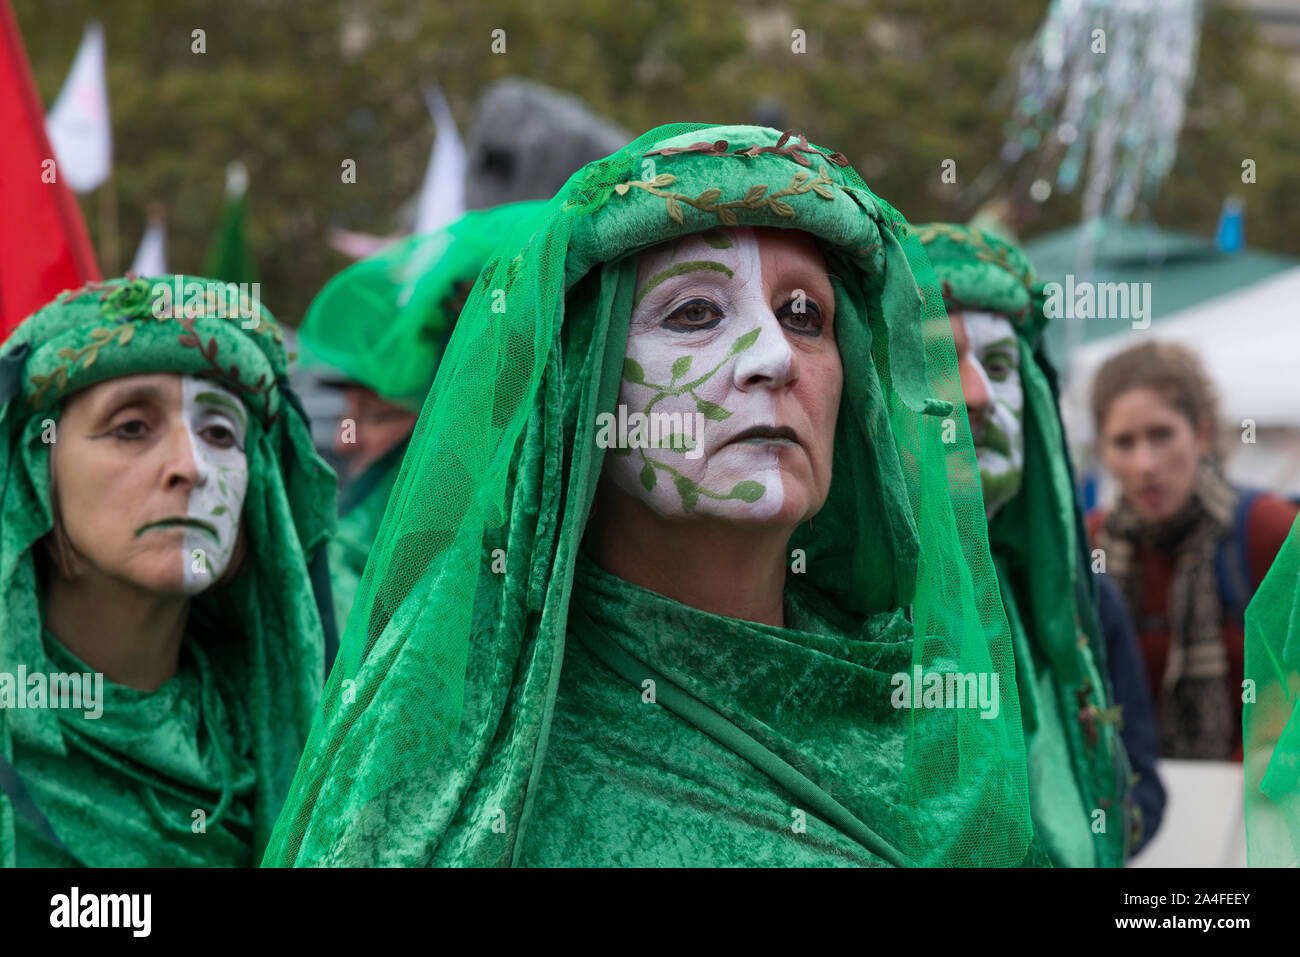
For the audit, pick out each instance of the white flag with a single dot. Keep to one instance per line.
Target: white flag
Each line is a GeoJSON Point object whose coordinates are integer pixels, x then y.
{"type": "Point", "coordinates": [151, 257]}
{"type": "Point", "coordinates": [442, 197]}
{"type": "Point", "coordinates": [78, 123]}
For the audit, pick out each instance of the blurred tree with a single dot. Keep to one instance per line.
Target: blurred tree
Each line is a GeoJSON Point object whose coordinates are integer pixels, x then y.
{"type": "Point", "coordinates": [294, 89]}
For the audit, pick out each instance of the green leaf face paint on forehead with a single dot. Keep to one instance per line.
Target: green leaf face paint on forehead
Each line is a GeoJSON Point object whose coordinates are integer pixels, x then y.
{"type": "Point", "coordinates": [235, 407]}
{"type": "Point", "coordinates": [680, 269]}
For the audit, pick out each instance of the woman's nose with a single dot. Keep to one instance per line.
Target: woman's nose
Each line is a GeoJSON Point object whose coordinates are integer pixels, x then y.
{"type": "Point", "coordinates": [768, 362]}
{"type": "Point", "coordinates": [974, 389]}
{"type": "Point", "coordinates": [183, 467]}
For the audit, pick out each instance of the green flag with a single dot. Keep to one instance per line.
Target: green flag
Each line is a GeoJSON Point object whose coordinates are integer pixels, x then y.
{"type": "Point", "coordinates": [229, 257]}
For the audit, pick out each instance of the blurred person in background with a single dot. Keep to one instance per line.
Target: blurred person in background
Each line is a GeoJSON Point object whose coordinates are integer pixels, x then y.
{"type": "Point", "coordinates": [1186, 547]}
{"type": "Point", "coordinates": [382, 324]}
{"type": "Point", "coordinates": [1036, 537]}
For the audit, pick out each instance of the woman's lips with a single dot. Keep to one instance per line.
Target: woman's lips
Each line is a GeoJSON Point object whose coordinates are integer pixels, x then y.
{"type": "Point", "coordinates": [765, 435]}
{"type": "Point", "coordinates": [1150, 497]}
{"type": "Point", "coordinates": [181, 522]}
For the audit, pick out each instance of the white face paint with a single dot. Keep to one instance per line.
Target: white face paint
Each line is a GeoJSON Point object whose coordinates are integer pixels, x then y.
{"type": "Point", "coordinates": [740, 331]}
{"type": "Point", "coordinates": [217, 423]}
{"type": "Point", "coordinates": [997, 425]}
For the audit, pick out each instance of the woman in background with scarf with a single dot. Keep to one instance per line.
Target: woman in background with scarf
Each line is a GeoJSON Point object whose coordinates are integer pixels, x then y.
{"type": "Point", "coordinates": [1186, 547]}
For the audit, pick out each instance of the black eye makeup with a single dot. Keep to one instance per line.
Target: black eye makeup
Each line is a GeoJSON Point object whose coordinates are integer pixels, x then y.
{"type": "Point", "coordinates": [806, 321]}
{"type": "Point", "coordinates": [693, 315]}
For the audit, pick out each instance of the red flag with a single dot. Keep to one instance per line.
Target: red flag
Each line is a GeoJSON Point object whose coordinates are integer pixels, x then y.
{"type": "Point", "coordinates": [44, 248]}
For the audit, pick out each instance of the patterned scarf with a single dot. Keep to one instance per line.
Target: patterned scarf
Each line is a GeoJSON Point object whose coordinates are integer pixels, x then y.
{"type": "Point", "coordinates": [1195, 708]}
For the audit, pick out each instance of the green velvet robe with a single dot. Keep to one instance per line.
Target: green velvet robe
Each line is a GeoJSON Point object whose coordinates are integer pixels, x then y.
{"type": "Point", "coordinates": [627, 782]}
{"type": "Point", "coordinates": [154, 758]}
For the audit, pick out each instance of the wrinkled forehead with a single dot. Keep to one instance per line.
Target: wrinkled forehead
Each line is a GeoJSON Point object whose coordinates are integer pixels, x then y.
{"type": "Point", "coordinates": [168, 390]}
{"type": "Point", "coordinates": [985, 328]}
{"type": "Point", "coordinates": [743, 250]}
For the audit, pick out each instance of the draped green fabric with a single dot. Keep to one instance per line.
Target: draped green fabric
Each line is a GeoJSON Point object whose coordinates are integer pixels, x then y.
{"type": "Point", "coordinates": [480, 641]}
{"type": "Point", "coordinates": [361, 511]}
{"type": "Point", "coordinates": [384, 321]}
{"type": "Point", "coordinates": [632, 794]}
{"type": "Point", "coordinates": [1271, 713]}
{"type": "Point", "coordinates": [224, 735]}
{"type": "Point", "coordinates": [1078, 772]}
{"type": "Point", "coordinates": [144, 768]}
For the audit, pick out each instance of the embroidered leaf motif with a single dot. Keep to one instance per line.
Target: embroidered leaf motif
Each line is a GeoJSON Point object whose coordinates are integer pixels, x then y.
{"type": "Point", "coordinates": [664, 179]}
{"type": "Point", "coordinates": [756, 197]}
{"type": "Point", "coordinates": [100, 337]}
{"type": "Point", "coordinates": [621, 189]}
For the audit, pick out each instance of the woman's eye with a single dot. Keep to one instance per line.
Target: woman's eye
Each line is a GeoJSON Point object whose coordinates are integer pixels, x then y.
{"type": "Point", "coordinates": [804, 321]}
{"type": "Point", "coordinates": [219, 436]}
{"type": "Point", "coordinates": [693, 315]}
{"type": "Point", "coordinates": [130, 431]}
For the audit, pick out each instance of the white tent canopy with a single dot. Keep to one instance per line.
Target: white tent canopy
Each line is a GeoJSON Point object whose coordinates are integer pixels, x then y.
{"type": "Point", "coordinates": [1249, 340]}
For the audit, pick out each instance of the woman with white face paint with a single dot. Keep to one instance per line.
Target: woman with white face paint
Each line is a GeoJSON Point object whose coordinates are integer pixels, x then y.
{"type": "Point", "coordinates": [1186, 546]}
{"type": "Point", "coordinates": [156, 574]}
{"type": "Point", "coordinates": [748, 315]}
{"type": "Point", "coordinates": [681, 569]}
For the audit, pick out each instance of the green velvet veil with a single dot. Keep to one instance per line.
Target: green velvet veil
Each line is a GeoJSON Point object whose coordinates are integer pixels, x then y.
{"type": "Point", "coordinates": [480, 539]}
{"type": "Point", "coordinates": [1041, 549]}
{"type": "Point", "coordinates": [1270, 723]}
{"type": "Point", "coordinates": [200, 327]}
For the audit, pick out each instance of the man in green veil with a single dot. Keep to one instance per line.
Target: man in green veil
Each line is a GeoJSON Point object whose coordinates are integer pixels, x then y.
{"type": "Point", "coordinates": [163, 519]}
{"type": "Point", "coordinates": [1077, 770]}
{"type": "Point", "coordinates": [682, 566]}
{"type": "Point", "coordinates": [381, 325]}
